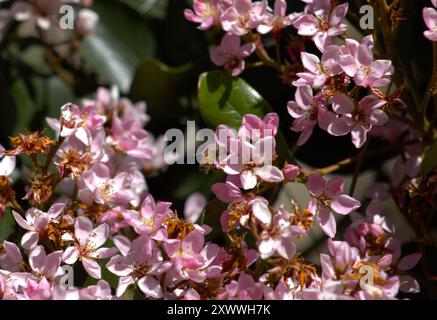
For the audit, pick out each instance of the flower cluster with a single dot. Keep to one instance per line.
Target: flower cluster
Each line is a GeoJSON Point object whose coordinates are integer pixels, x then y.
{"type": "Point", "coordinates": [89, 210]}
{"type": "Point", "coordinates": [238, 19]}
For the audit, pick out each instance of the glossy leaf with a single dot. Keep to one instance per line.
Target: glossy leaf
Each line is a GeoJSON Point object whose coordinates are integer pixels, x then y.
{"type": "Point", "coordinates": [224, 99]}
{"type": "Point", "coordinates": [161, 87]}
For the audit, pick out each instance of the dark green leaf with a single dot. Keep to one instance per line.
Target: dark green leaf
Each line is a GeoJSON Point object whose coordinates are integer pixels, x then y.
{"type": "Point", "coordinates": [7, 225]}
{"type": "Point", "coordinates": [161, 87]}
{"type": "Point", "coordinates": [149, 8]}
{"type": "Point", "coordinates": [121, 41]}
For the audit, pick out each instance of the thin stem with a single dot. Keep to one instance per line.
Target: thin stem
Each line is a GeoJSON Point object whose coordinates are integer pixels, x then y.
{"type": "Point", "coordinates": [354, 159]}
{"type": "Point", "coordinates": [358, 168]}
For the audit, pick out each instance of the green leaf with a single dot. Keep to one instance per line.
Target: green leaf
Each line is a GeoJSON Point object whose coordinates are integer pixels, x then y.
{"type": "Point", "coordinates": [224, 99]}
{"type": "Point", "coordinates": [429, 162]}
{"type": "Point", "coordinates": [150, 8]}
{"type": "Point", "coordinates": [121, 41]}
{"type": "Point", "coordinates": [7, 225]}
{"type": "Point", "coordinates": [24, 104]}
{"type": "Point", "coordinates": [161, 87]}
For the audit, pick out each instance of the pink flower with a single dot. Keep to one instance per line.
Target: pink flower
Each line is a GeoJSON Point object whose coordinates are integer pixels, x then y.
{"type": "Point", "coordinates": [281, 292]}
{"type": "Point", "coordinates": [322, 22]}
{"type": "Point", "coordinates": [430, 18]}
{"type": "Point", "coordinates": [87, 246]}
{"type": "Point", "coordinates": [276, 21]}
{"type": "Point", "coordinates": [191, 258]}
{"type": "Point", "coordinates": [7, 292]}
{"type": "Point", "coordinates": [231, 54]}
{"type": "Point", "coordinates": [307, 112]}
{"type": "Point", "coordinates": [76, 122]}
{"type": "Point", "coordinates": [150, 219]}
{"type": "Point", "coordinates": [141, 262]}
{"type": "Point", "coordinates": [291, 172]}
{"type": "Point", "coordinates": [358, 120]}
{"type": "Point", "coordinates": [11, 258]}
{"type": "Point", "coordinates": [128, 136]}
{"type": "Point", "coordinates": [46, 265]}
{"type": "Point", "coordinates": [37, 289]}
{"type": "Point", "coordinates": [370, 226]}
{"type": "Point", "coordinates": [357, 61]}
{"type": "Point", "coordinates": [100, 291]}
{"type": "Point", "coordinates": [206, 13]}
{"type": "Point", "coordinates": [340, 261]}
{"type": "Point", "coordinates": [228, 191]}
{"type": "Point", "coordinates": [330, 290]}
{"type": "Point", "coordinates": [328, 198]}
{"type": "Point", "coordinates": [36, 222]}
{"type": "Point", "coordinates": [277, 237]}
{"type": "Point", "coordinates": [245, 289]}
{"type": "Point", "coordinates": [248, 154]}
{"type": "Point", "coordinates": [97, 185]}
{"type": "Point", "coordinates": [319, 70]}
{"type": "Point", "coordinates": [243, 16]}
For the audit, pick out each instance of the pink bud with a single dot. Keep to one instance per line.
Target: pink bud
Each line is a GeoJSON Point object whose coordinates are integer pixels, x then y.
{"type": "Point", "coordinates": [291, 171]}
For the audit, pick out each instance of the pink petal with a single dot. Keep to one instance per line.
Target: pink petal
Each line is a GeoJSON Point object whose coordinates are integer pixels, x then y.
{"type": "Point", "coordinates": [315, 184]}
{"type": "Point", "coordinates": [70, 255]}
{"type": "Point", "coordinates": [82, 230]}
{"type": "Point", "coordinates": [310, 62]}
{"type": "Point", "coordinates": [408, 262]}
{"type": "Point", "coordinates": [150, 287]}
{"type": "Point", "coordinates": [248, 180]}
{"type": "Point", "coordinates": [327, 222]}
{"type": "Point", "coordinates": [92, 268]}
{"type": "Point", "coordinates": [98, 236]}
{"type": "Point", "coordinates": [270, 173]}
{"type": "Point", "coordinates": [304, 97]}
{"type": "Point", "coordinates": [286, 248]}
{"type": "Point", "coordinates": [334, 187]}
{"type": "Point", "coordinates": [194, 207]}
{"type": "Point", "coordinates": [262, 212]}
{"type": "Point", "coordinates": [342, 104]}
{"type": "Point", "coordinates": [345, 204]}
